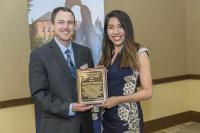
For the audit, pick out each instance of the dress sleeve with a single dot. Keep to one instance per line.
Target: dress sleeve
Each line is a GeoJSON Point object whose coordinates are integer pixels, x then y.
{"type": "Point", "coordinates": [143, 49]}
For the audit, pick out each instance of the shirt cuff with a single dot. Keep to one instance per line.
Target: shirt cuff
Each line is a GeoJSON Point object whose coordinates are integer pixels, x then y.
{"type": "Point", "coordinates": [71, 113]}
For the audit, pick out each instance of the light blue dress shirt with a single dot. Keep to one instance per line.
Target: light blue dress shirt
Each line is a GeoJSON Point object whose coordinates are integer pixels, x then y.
{"type": "Point", "coordinates": [63, 49]}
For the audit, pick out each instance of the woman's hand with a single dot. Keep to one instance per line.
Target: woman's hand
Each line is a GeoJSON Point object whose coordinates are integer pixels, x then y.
{"type": "Point", "coordinates": [111, 102]}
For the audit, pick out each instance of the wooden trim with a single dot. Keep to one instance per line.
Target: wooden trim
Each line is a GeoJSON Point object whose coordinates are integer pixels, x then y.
{"type": "Point", "coordinates": [27, 100]}
{"type": "Point", "coordinates": [192, 76]}
{"type": "Point", "coordinates": [171, 120]}
{"type": "Point", "coordinates": [149, 126]}
{"type": "Point", "coordinates": [195, 116]}
{"type": "Point", "coordinates": [176, 78]}
{"type": "Point", "coordinates": [15, 102]}
{"type": "Point", "coordinates": [170, 79]}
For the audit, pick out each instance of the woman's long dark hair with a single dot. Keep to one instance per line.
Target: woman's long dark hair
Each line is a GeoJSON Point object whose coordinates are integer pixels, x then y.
{"type": "Point", "coordinates": [128, 56]}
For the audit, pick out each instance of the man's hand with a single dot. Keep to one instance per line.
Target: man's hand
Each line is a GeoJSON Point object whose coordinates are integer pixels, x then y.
{"type": "Point", "coordinates": [80, 107]}
{"type": "Point", "coordinates": [99, 66]}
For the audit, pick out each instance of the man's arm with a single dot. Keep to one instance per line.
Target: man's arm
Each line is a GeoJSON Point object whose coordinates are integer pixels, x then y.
{"type": "Point", "coordinates": [41, 94]}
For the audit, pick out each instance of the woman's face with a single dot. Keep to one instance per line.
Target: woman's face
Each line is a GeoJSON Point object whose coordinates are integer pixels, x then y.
{"type": "Point", "coordinates": [115, 32]}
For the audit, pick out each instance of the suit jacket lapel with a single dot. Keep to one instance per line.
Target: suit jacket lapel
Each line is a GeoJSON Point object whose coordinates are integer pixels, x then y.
{"type": "Point", "coordinates": [58, 54]}
{"type": "Point", "coordinates": [76, 53]}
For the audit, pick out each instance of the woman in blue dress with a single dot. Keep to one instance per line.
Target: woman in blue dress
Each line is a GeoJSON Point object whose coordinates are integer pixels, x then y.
{"type": "Point", "coordinates": [128, 64]}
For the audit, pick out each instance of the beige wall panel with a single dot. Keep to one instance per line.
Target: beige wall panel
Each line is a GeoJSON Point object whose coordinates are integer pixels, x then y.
{"type": "Point", "coordinates": [194, 98]}
{"type": "Point", "coordinates": [168, 99]}
{"type": "Point", "coordinates": [161, 26]}
{"type": "Point", "coordinates": [19, 119]}
{"type": "Point", "coordinates": [14, 52]}
{"type": "Point", "coordinates": [193, 35]}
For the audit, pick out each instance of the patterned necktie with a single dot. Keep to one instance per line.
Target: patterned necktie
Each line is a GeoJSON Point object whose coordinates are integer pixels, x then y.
{"type": "Point", "coordinates": [70, 64]}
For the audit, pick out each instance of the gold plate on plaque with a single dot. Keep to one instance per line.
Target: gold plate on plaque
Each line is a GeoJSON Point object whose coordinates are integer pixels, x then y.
{"type": "Point", "coordinates": [91, 85]}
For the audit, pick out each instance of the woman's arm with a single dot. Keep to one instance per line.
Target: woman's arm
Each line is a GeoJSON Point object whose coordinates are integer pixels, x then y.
{"type": "Point", "coordinates": [145, 92]}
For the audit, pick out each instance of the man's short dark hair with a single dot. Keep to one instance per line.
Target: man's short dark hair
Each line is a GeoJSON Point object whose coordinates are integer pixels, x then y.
{"type": "Point", "coordinates": [56, 10]}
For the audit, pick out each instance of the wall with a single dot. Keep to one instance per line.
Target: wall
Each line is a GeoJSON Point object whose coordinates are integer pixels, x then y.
{"type": "Point", "coordinates": [194, 91]}
{"type": "Point", "coordinates": [168, 99]}
{"type": "Point", "coordinates": [17, 119]}
{"type": "Point", "coordinates": [14, 52]}
{"type": "Point", "coordinates": [172, 98]}
{"type": "Point", "coordinates": [193, 32]}
{"type": "Point", "coordinates": [168, 27]}
{"type": "Point", "coordinates": [161, 26]}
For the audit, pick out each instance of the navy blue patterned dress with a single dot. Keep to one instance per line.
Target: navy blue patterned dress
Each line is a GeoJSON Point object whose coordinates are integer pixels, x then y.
{"type": "Point", "coordinates": [126, 117]}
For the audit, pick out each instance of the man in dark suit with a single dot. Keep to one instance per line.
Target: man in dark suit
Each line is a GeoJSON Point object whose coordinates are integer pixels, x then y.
{"type": "Point", "coordinates": [53, 81]}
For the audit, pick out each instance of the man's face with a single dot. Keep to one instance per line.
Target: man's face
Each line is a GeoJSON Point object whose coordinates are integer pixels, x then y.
{"type": "Point", "coordinates": [64, 26]}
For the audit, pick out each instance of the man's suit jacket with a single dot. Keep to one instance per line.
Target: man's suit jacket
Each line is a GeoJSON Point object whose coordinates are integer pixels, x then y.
{"type": "Point", "coordinates": [53, 88]}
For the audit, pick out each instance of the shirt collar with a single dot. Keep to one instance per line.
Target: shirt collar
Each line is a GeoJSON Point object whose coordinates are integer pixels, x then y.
{"type": "Point", "coordinates": [62, 47]}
